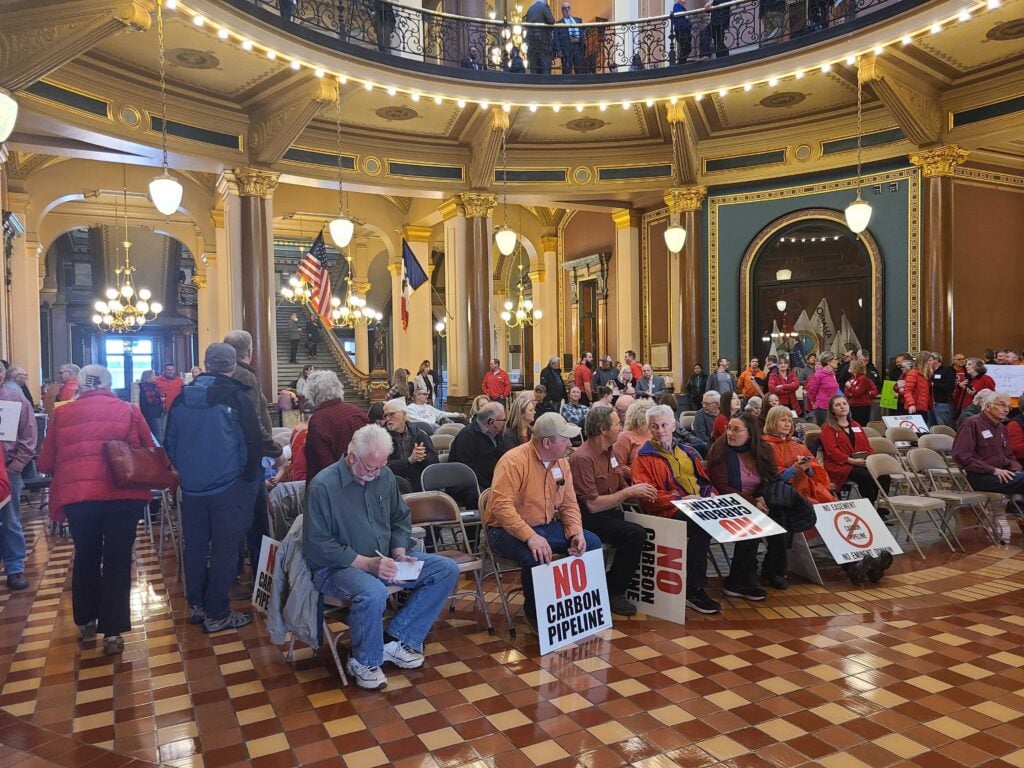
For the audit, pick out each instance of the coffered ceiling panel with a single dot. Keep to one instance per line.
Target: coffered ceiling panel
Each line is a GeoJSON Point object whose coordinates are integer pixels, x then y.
{"type": "Point", "coordinates": [791, 100]}
{"type": "Point", "coordinates": [568, 125]}
{"type": "Point", "coordinates": [398, 114]}
{"type": "Point", "coordinates": [993, 38]}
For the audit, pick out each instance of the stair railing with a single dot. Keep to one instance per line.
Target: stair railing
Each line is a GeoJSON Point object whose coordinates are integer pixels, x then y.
{"type": "Point", "coordinates": [360, 379]}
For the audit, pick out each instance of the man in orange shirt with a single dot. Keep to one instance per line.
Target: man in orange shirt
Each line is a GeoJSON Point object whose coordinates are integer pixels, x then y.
{"type": "Point", "coordinates": [170, 385]}
{"type": "Point", "coordinates": [532, 511]}
{"type": "Point", "coordinates": [497, 385]}
{"type": "Point", "coordinates": [584, 376]}
{"type": "Point", "coordinates": [752, 382]}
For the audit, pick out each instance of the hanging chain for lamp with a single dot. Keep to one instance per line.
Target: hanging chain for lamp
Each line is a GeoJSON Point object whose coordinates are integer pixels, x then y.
{"type": "Point", "coordinates": [342, 228]}
{"type": "Point", "coordinates": [858, 213]}
{"type": "Point", "coordinates": [504, 237]}
{"type": "Point", "coordinates": [165, 191]}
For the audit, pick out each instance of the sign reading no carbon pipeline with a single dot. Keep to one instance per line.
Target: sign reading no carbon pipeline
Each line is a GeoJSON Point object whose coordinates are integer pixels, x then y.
{"type": "Point", "coordinates": [572, 600]}
{"type": "Point", "coordinates": [729, 518]}
{"type": "Point", "coordinates": [265, 574]}
{"type": "Point", "coordinates": [658, 587]}
{"type": "Point", "coordinates": [852, 530]}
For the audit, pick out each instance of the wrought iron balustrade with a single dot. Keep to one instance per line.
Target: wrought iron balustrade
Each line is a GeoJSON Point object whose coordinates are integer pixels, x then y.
{"type": "Point", "coordinates": [484, 49]}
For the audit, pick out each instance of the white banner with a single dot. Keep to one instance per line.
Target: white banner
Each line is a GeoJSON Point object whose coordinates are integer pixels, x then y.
{"type": "Point", "coordinates": [914, 421]}
{"type": "Point", "coordinates": [658, 587]}
{"type": "Point", "coordinates": [265, 574]}
{"type": "Point", "coordinates": [1008, 378]}
{"type": "Point", "coordinates": [572, 600]}
{"type": "Point", "coordinates": [852, 530]}
{"type": "Point", "coordinates": [729, 518]}
{"type": "Point", "coordinates": [10, 415]}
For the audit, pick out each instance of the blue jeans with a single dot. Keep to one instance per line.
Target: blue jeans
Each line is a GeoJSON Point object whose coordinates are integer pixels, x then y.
{"type": "Point", "coordinates": [12, 538]}
{"type": "Point", "coordinates": [369, 596]}
{"type": "Point", "coordinates": [508, 546]}
{"type": "Point", "coordinates": [941, 414]}
{"type": "Point", "coordinates": [214, 527]}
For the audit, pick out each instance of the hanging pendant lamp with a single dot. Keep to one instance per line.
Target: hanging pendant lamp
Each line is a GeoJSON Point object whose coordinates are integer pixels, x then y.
{"type": "Point", "coordinates": [858, 213]}
{"type": "Point", "coordinates": [165, 191]}
{"type": "Point", "coordinates": [342, 228]}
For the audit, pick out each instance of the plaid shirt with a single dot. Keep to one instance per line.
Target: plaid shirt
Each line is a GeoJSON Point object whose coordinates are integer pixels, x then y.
{"type": "Point", "coordinates": [574, 414]}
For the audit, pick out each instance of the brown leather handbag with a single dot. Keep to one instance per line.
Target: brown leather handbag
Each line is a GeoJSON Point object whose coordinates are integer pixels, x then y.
{"type": "Point", "coordinates": [138, 467]}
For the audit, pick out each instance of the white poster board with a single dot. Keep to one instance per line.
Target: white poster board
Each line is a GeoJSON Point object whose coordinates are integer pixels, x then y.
{"type": "Point", "coordinates": [729, 518]}
{"type": "Point", "coordinates": [658, 587]}
{"type": "Point", "coordinates": [852, 530]}
{"type": "Point", "coordinates": [10, 415]}
{"type": "Point", "coordinates": [572, 600]}
{"type": "Point", "coordinates": [914, 421]}
{"type": "Point", "coordinates": [1008, 378]}
{"type": "Point", "coordinates": [265, 574]}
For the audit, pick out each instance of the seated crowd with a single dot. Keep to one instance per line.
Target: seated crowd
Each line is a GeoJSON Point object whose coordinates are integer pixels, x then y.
{"type": "Point", "coordinates": [560, 465]}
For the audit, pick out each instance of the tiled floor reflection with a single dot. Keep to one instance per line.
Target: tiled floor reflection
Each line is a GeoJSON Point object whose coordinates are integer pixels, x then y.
{"type": "Point", "coordinates": [927, 668]}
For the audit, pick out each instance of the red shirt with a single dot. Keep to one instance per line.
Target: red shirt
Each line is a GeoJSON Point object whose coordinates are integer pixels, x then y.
{"type": "Point", "coordinates": [169, 388]}
{"type": "Point", "coordinates": [330, 430]}
{"type": "Point", "coordinates": [496, 384]}
{"type": "Point", "coordinates": [582, 377]}
{"type": "Point", "coordinates": [637, 370]}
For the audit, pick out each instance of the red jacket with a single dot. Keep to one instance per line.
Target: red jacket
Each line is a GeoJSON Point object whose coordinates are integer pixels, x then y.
{"type": "Point", "coordinates": [835, 444]}
{"type": "Point", "coordinates": [860, 390]}
{"type": "Point", "coordinates": [169, 389]}
{"type": "Point", "coordinates": [964, 396]}
{"type": "Point", "coordinates": [73, 449]}
{"type": "Point", "coordinates": [496, 385]}
{"type": "Point", "coordinates": [1015, 429]}
{"type": "Point", "coordinates": [651, 468]}
{"type": "Point", "coordinates": [917, 391]}
{"type": "Point", "coordinates": [785, 387]}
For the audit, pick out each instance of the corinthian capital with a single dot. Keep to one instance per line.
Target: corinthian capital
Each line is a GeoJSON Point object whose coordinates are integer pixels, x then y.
{"type": "Point", "coordinates": [941, 161]}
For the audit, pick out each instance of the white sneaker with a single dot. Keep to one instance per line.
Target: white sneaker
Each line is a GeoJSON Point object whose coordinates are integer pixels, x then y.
{"type": "Point", "coordinates": [402, 655]}
{"type": "Point", "coordinates": [370, 678]}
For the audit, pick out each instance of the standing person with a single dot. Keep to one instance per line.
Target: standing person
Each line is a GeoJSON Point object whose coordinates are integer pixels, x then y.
{"type": "Point", "coordinates": [214, 441]}
{"type": "Point", "coordinates": [583, 376]}
{"type": "Point", "coordinates": [860, 392]}
{"type": "Point", "coordinates": [600, 492]}
{"type": "Point", "coordinates": [570, 41]}
{"type": "Point", "coordinates": [682, 32]}
{"type": "Point", "coordinates": [18, 453]}
{"type": "Point", "coordinates": [722, 381]}
{"type": "Point", "coordinates": [103, 517]}
{"type": "Point", "coordinates": [916, 395]}
{"type": "Point", "coordinates": [869, 368]}
{"type": "Point", "coordinates": [783, 383]}
{"type": "Point", "coordinates": [975, 379]}
{"type": "Point", "coordinates": [302, 382]}
{"type": "Point", "coordinates": [720, 13]}
{"type": "Point", "coordinates": [68, 382]}
{"type": "Point", "coordinates": [539, 38]}
{"type": "Point", "coordinates": [943, 379]}
{"type": "Point", "coordinates": [400, 385]}
{"type": "Point", "coordinates": [551, 378]}
{"type": "Point", "coordinates": [170, 385]}
{"type": "Point", "coordinates": [295, 332]}
{"type": "Point", "coordinates": [634, 365]}
{"type": "Point", "coordinates": [151, 404]}
{"type": "Point", "coordinates": [355, 515]}
{"type": "Point", "coordinates": [605, 375]}
{"type": "Point", "coordinates": [332, 424]}
{"type": "Point", "coordinates": [810, 366]}
{"type": "Point", "coordinates": [696, 385]}
{"type": "Point", "coordinates": [426, 380]}
{"type": "Point", "coordinates": [752, 381]}
{"type": "Point", "coordinates": [312, 336]}
{"type": "Point", "coordinates": [496, 384]}
{"type": "Point", "coordinates": [823, 386]}
{"type": "Point", "coordinates": [846, 448]}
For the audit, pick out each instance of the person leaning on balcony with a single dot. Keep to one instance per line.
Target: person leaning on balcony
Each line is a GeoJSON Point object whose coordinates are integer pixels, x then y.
{"type": "Point", "coordinates": [682, 32]}
{"type": "Point", "coordinates": [570, 41]}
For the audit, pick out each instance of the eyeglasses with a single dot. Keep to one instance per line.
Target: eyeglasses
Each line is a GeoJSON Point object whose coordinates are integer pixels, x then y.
{"type": "Point", "coordinates": [371, 471]}
{"type": "Point", "coordinates": [496, 421]}
{"type": "Point", "coordinates": [390, 413]}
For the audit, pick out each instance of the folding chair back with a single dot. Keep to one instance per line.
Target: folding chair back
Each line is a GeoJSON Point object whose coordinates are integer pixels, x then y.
{"type": "Point", "coordinates": [871, 432]}
{"type": "Point", "coordinates": [686, 421]}
{"type": "Point", "coordinates": [942, 429]}
{"type": "Point", "coordinates": [940, 482]}
{"type": "Point", "coordinates": [882, 465]}
{"type": "Point", "coordinates": [938, 442]}
{"type": "Point", "coordinates": [448, 476]}
{"type": "Point", "coordinates": [884, 446]}
{"type": "Point", "coordinates": [901, 435]}
{"type": "Point", "coordinates": [450, 429]}
{"type": "Point", "coordinates": [442, 443]}
{"type": "Point", "coordinates": [878, 426]}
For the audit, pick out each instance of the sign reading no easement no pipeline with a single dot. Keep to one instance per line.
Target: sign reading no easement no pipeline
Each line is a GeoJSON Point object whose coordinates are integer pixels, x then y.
{"type": "Point", "coordinates": [853, 530]}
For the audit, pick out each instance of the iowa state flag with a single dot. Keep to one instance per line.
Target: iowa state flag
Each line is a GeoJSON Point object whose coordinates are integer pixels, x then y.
{"type": "Point", "coordinates": [413, 277]}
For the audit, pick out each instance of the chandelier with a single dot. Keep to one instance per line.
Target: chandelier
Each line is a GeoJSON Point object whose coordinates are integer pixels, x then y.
{"type": "Point", "coordinates": [353, 312]}
{"type": "Point", "coordinates": [511, 41]}
{"type": "Point", "coordinates": [521, 314]}
{"type": "Point", "coordinates": [125, 309]}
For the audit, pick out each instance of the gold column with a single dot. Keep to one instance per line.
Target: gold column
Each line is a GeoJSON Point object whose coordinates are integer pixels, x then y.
{"type": "Point", "coordinates": [624, 332]}
{"type": "Point", "coordinates": [937, 167]}
{"type": "Point", "coordinates": [479, 328]}
{"type": "Point", "coordinates": [544, 277]}
{"type": "Point", "coordinates": [688, 341]}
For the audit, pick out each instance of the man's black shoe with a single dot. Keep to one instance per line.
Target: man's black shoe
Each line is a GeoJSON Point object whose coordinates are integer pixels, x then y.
{"type": "Point", "coordinates": [700, 602]}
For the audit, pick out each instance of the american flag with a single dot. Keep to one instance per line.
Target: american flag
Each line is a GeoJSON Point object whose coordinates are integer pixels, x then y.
{"type": "Point", "coordinates": [313, 270]}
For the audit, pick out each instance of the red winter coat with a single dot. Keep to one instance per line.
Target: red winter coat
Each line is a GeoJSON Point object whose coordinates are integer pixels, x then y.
{"type": "Point", "coordinates": [785, 386]}
{"type": "Point", "coordinates": [860, 390]}
{"type": "Point", "coordinates": [835, 444]}
{"type": "Point", "coordinates": [73, 449]}
{"type": "Point", "coordinates": [917, 391]}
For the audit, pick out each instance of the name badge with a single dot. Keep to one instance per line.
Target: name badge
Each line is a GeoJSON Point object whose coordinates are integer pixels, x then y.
{"type": "Point", "coordinates": [937, 376]}
{"type": "Point", "coordinates": [615, 463]}
{"type": "Point", "coordinates": [986, 434]}
{"type": "Point", "coordinates": [556, 473]}
{"type": "Point", "coordinates": [857, 429]}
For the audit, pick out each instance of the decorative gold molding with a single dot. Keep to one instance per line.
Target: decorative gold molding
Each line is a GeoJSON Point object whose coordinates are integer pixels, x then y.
{"type": "Point", "coordinates": [549, 244]}
{"type": "Point", "coordinates": [915, 105]}
{"type": "Point", "coordinates": [626, 219]}
{"type": "Point", "coordinates": [649, 220]}
{"type": "Point", "coordinates": [910, 175]}
{"type": "Point", "coordinates": [278, 122]}
{"type": "Point", "coordinates": [1010, 180]}
{"type": "Point", "coordinates": [941, 161]}
{"type": "Point", "coordinates": [414, 234]}
{"type": "Point", "coordinates": [253, 182]}
{"type": "Point", "coordinates": [218, 218]}
{"type": "Point", "coordinates": [477, 204]}
{"type": "Point", "coordinates": [768, 234]}
{"type": "Point", "coordinates": [451, 208]}
{"type": "Point", "coordinates": [680, 199]}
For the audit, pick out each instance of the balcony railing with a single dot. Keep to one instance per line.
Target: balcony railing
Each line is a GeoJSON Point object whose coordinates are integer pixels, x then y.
{"type": "Point", "coordinates": [484, 49]}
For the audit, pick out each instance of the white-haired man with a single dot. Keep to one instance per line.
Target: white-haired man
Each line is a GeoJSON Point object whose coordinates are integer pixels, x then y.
{"type": "Point", "coordinates": [704, 420]}
{"type": "Point", "coordinates": [332, 424]}
{"type": "Point", "coordinates": [412, 450]}
{"type": "Point", "coordinates": [18, 454]}
{"type": "Point", "coordinates": [355, 514]}
{"type": "Point", "coordinates": [420, 409]}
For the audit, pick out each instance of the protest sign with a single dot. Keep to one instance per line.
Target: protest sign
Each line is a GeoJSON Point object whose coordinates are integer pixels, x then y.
{"type": "Point", "coordinates": [265, 574]}
{"type": "Point", "coordinates": [1008, 378]}
{"type": "Point", "coordinates": [572, 600]}
{"type": "Point", "coordinates": [852, 530]}
{"type": "Point", "coordinates": [658, 587]}
{"type": "Point", "coordinates": [729, 518]}
{"type": "Point", "coordinates": [10, 415]}
{"type": "Point", "coordinates": [912, 421]}
{"type": "Point", "coordinates": [889, 401]}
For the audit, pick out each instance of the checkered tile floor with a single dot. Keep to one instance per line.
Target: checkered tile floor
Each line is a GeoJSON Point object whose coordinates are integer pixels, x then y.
{"type": "Point", "coordinates": [925, 669]}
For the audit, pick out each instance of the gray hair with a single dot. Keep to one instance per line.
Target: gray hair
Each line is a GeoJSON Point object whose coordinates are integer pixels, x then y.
{"type": "Point", "coordinates": [240, 340]}
{"type": "Point", "coordinates": [488, 411]}
{"type": "Point", "coordinates": [398, 404]}
{"type": "Point", "coordinates": [982, 396]}
{"type": "Point", "coordinates": [370, 439]}
{"type": "Point", "coordinates": [636, 414]}
{"type": "Point", "coordinates": [553, 359]}
{"type": "Point", "coordinates": [69, 368]}
{"type": "Point", "coordinates": [322, 386]}
{"type": "Point", "coordinates": [93, 377]}
{"type": "Point", "coordinates": [599, 418]}
{"type": "Point", "coordinates": [712, 396]}
{"type": "Point", "coordinates": [825, 358]}
{"type": "Point", "coordinates": [661, 412]}
{"type": "Point", "coordinates": [755, 401]}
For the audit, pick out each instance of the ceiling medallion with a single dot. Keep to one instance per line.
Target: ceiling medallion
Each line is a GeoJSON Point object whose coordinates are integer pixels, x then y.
{"type": "Point", "coordinates": [582, 175]}
{"type": "Point", "coordinates": [394, 113]}
{"type": "Point", "coordinates": [1007, 30]}
{"type": "Point", "coordinates": [585, 124]}
{"type": "Point", "coordinates": [191, 58]}
{"type": "Point", "coordinates": [783, 100]}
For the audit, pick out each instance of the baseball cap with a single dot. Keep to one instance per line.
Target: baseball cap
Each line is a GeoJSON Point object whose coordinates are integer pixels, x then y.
{"type": "Point", "coordinates": [220, 358]}
{"type": "Point", "coordinates": [607, 358]}
{"type": "Point", "coordinates": [553, 425]}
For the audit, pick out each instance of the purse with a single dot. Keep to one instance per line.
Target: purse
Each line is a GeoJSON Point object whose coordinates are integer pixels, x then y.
{"type": "Point", "coordinates": [138, 467]}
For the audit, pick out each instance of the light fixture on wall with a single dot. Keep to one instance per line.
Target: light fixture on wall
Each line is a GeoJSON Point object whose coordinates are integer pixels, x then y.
{"type": "Point", "coordinates": [858, 213]}
{"type": "Point", "coordinates": [342, 227]}
{"type": "Point", "coordinates": [504, 237]}
{"type": "Point", "coordinates": [442, 328]}
{"type": "Point", "coordinates": [8, 114]}
{"type": "Point", "coordinates": [783, 275]}
{"type": "Point", "coordinates": [781, 305]}
{"type": "Point", "coordinates": [125, 309]}
{"type": "Point", "coordinates": [165, 191]}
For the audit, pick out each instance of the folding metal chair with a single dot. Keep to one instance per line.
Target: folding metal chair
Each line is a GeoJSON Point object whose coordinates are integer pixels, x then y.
{"type": "Point", "coordinates": [931, 468]}
{"type": "Point", "coordinates": [871, 432]}
{"type": "Point", "coordinates": [442, 442]}
{"type": "Point", "coordinates": [499, 566]}
{"type": "Point", "coordinates": [942, 429]}
{"type": "Point", "coordinates": [452, 429]}
{"type": "Point", "coordinates": [900, 436]}
{"type": "Point", "coordinates": [882, 465]}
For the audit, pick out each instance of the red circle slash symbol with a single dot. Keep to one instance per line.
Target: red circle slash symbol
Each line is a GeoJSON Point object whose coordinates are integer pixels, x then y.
{"type": "Point", "coordinates": [854, 530]}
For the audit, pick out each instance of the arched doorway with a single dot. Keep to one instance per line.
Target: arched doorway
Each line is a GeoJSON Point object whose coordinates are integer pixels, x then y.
{"type": "Point", "coordinates": [810, 285]}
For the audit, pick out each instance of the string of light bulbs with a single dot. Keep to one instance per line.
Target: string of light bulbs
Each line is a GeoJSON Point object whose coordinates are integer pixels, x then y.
{"type": "Point", "coordinates": [823, 67]}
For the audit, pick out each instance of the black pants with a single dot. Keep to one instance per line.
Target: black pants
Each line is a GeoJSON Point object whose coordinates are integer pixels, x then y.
{"type": "Point", "coordinates": [743, 572]}
{"type": "Point", "coordinates": [865, 485]}
{"type": "Point", "coordinates": [718, 39]}
{"type": "Point", "coordinates": [260, 527]}
{"type": "Point", "coordinates": [293, 350]}
{"type": "Point", "coordinates": [101, 582]}
{"type": "Point", "coordinates": [775, 561]}
{"type": "Point", "coordinates": [539, 54]}
{"type": "Point", "coordinates": [572, 59]}
{"type": "Point", "coordinates": [628, 540]}
{"type": "Point", "coordinates": [860, 413]}
{"type": "Point", "coordinates": [698, 545]}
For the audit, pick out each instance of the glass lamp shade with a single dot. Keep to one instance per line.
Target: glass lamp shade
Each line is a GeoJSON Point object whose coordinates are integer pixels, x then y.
{"type": "Point", "coordinates": [506, 316]}
{"type": "Point", "coordinates": [784, 274]}
{"type": "Point", "coordinates": [781, 305]}
{"type": "Point", "coordinates": [675, 238]}
{"type": "Point", "coordinates": [439, 327]}
{"type": "Point", "coordinates": [145, 294]}
{"type": "Point", "coordinates": [143, 307]}
{"type": "Point", "coordinates": [156, 307]}
{"type": "Point", "coordinates": [342, 229]}
{"type": "Point", "coordinates": [8, 114]}
{"type": "Point", "coordinates": [165, 191]}
{"type": "Point", "coordinates": [506, 239]}
{"type": "Point", "coordinates": [537, 314]}
{"type": "Point", "coordinates": [97, 319]}
{"type": "Point", "coordinates": [858, 214]}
